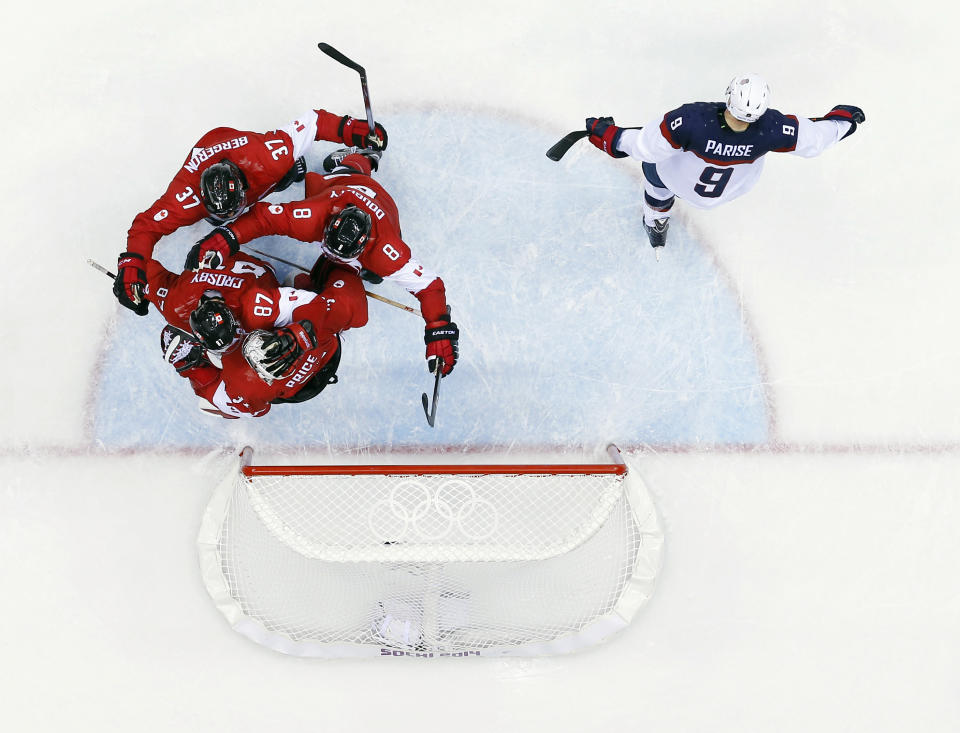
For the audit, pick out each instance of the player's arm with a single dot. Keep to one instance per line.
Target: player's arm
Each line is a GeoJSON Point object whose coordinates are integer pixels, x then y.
{"type": "Point", "coordinates": [318, 124]}
{"type": "Point", "coordinates": [302, 220]}
{"type": "Point", "coordinates": [441, 335]}
{"type": "Point", "coordinates": [817, 134]}
{"type": "Point", "coordinates": [160, 283]}
{"type": "Point", "coordinates": [349, 131]}
{"type": "Point", "coordinates": [652, 143]}
{"type": "Point", "coordinates": [215, 398]}
{"type": "Point", "coordinates": [649, 144]}
{"type": "Point", "coordinates": [179, 206]}
{"type": "Point", "coordinates": [184, 352]}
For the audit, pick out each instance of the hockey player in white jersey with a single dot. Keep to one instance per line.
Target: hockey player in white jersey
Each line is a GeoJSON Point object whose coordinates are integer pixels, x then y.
{"type": "Point", "coordinates": [708, 153]}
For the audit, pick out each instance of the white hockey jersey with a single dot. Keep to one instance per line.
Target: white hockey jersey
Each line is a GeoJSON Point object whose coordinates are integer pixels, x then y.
{"type": "Point", "coordinates": [704, 162]}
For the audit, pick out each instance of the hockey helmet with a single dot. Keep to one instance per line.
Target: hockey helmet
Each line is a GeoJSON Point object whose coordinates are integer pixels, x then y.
{"type": "Point", "coordinates": [213, 322]}
{"type": "Point", "coordinates": [347, 233]}
{"type": "Point", "coordinates": [223, 189]}
{"type": "Point", "coordinates": [271, 354]}
{"type": "Point", "coordinates": [748, 97]}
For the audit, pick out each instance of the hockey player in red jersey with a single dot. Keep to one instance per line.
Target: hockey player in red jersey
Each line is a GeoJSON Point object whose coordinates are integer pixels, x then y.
{"type": "Point", "coordinates": [244, 342]}
{"type": "Point", "coordinates": [226, 171]}
{"type": "Point", "coordinates": [707, 153]}
{"type": "Point", "coordinates": [240, 281]}
{"type": "Point", "coordinates": [356, 224]}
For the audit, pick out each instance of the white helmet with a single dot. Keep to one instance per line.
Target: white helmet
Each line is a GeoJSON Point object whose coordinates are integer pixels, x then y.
{"type": "Point", "coordinates": [748, 97]}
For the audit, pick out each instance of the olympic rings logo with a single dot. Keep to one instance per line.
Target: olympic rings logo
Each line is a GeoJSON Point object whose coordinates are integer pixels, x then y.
{"type": "Point", "coordinates": [414, 512]}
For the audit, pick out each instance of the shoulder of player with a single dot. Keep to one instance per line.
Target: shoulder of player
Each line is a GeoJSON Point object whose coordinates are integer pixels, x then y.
{"type": "Point", "coordinates": [774, 119]}
{"type": "Point", "coordinates": [387, 253]}
{"type": "Point", "coordinates": [220, 134]}
{"type": "Point", "coordinates": [702, 113]}
{"type": "Point", "coordinates": [776, 131]}
{"type": "Point", "coordinates": [689, 124]}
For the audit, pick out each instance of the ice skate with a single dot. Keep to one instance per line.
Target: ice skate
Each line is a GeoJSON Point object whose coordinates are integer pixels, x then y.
{"type": "Point", "coordinates": [657, 234]}
{"type": "Point", "coordinates": [334, 160]}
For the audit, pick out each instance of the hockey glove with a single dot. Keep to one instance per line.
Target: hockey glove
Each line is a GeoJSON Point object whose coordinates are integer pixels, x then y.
{"type": "Point", "coordinates": [130, 282]}
{"type": "Point", "coordinates": [846, 113]}
{"type": "Point", "coordinates": [442, 339]}
{"type": "Point", "coordinates": [213, 250]}
{"type": "Point", "coordinates": [605, 135]}
{"type": "Point", "coordinates": [357, 132]}
{"type": "Point", "coordinates": [272, 354]}
{"type": "Point", "coordinates": [181, 349]}
{"type": "Point", "coordinates": [295, 175]}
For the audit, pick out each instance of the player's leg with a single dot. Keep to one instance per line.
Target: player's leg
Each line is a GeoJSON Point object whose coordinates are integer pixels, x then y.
{"type": "Point", "coordinates": [352, 160]}
{"type": "Point", "coordinates": [314, 184]}
{"type": "Point", "coordinates": [658, 200]}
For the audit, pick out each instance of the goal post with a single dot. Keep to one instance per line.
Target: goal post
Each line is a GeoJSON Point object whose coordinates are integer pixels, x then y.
{"type": "Point", "coordinates": [430, 560]}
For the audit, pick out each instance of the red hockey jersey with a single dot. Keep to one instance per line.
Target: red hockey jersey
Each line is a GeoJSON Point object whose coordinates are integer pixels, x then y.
{"type": "Point", "coordinates": [264, 159]}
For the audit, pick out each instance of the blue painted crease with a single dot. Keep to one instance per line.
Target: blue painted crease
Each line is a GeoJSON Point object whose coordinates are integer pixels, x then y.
{"type": "Point", "coordinates": [571, 331]}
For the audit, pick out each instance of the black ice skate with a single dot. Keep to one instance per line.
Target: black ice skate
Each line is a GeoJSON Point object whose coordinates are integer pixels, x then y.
{"type": "Point", "coordinates": [332, 163]}
{"type": "Point", "coordinates": [657, 234]}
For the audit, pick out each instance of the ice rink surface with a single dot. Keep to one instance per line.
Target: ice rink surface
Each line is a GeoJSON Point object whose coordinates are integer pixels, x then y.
{"type": "Point", "coordinates": [785, 376]}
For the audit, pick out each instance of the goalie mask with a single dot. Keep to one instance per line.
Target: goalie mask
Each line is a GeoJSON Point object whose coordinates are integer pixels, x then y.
{"type": "Point", "coordinates": [213, 323]}
{"type": "Point", "coordinates": [263, 352]}
{"type": "Point", "coordinates": [347, 233]}
{"type": "Point", "coordinates": [223, 189]}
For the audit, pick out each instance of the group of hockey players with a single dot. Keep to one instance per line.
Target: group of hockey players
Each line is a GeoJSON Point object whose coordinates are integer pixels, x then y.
{"type": "Point", "coordinates": [243, 340]}
{"type": "Point", "coordinates": [246, 342]}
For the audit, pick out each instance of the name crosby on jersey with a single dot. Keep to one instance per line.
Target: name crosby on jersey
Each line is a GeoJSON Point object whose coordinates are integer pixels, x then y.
{"type": "Point", "coordinates": [201, 154]}
{"type": "Point", "coordinates": [218, 279]}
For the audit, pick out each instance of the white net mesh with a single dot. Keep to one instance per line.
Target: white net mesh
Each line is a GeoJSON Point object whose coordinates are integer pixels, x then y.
{"type": "Point", "coordinates": [433, 564]}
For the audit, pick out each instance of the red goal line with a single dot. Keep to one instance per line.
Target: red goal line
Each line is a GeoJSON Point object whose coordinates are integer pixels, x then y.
{"type": "Point", "coordinates": [427, 470]}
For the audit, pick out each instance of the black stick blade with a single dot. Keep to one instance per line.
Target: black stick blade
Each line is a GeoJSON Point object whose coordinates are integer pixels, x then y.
{"type": "Point", "coordinates": [337, 56]}
{"type": "Point", "coordinates": [431, 410]}
{"type": "Point", "coordinates": [561, 147]}
{"type": "Point", "coordinates": [431, 417]}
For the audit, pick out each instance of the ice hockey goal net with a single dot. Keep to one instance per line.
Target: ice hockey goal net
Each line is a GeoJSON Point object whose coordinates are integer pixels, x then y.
{"type": "Point", "coordinates": [438, 560]}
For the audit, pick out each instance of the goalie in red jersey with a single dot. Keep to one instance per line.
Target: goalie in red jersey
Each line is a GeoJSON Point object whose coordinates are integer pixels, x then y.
{"type": "Point", "coordinates": [227, 171]}
{"type": "Point", "coordinates": [356, 224]}
{"type": "Point", "coordinates": [244, 342]}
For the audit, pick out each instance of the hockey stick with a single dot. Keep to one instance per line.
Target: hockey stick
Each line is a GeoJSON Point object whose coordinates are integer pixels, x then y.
{"type": "Point", "coordinates": [560, 148]}
{"type": "Point", "coordinates": [394, 303]}
{"type": "Point", "coordinates": [104, 270]}
{"type": "Point", "coordinates": [339, 57]}
{"type": "Point", "coordinates": [431, 413]}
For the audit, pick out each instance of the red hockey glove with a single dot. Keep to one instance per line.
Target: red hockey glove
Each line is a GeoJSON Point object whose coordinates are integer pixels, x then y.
{"type": "Point", "coordinates": [605, 135]}
{"type": "Point", "coordinates": [357, 132]}
{"type": "Point", "coordinates": [846, 113]}
{"type": "Point", "coordinates": [213, 250]}
{"type": "Point", "coordinates": [442, 339]}
{"type": "Point", "coordinates": [130, 281]}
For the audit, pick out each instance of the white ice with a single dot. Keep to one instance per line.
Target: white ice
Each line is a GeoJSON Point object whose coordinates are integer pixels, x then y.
{"type": "Point", "coordinates": [785, 375]}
